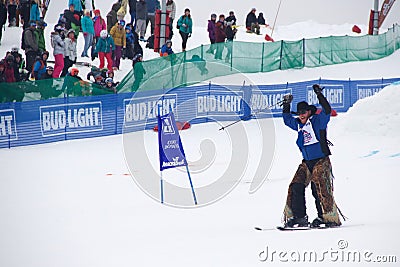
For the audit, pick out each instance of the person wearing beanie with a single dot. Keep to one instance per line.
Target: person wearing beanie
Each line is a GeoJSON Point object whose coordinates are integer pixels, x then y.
{"type": "Point", "coordinates": [99, 24]}
{"type": "Point", "coordinates": [105, 48]}
{"type": "Point", "coordinates": [57, 44]}
{"type": "Point", "coordinates": [70, 52]}
{"type": "Point", "coordinates": [252, 22]}
{"type": "Point", "coordinates": [119, 36]}
{"type": "Point", "coordinates": [211, 33]}
{"type": "Point", "coordinates": [166, 49]}
{"type": "Point", "coordinates": [315, 167]}
{"type": "Point", "coordinates": [185, 25]}
{"type": "Point", "coordinates": [231, 18]}
{"type": "Point", "coordinates": [30, 44]}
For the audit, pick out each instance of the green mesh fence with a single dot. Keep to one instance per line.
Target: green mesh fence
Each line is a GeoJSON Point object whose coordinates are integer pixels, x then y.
{"type": "Point", "coordinates": [197, 65]}
{"type": "Point", "coordinates": [50, 88]}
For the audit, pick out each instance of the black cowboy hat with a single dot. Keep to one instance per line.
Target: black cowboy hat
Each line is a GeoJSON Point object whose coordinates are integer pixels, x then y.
{"type": "Point", "coordinates": [303, 106]}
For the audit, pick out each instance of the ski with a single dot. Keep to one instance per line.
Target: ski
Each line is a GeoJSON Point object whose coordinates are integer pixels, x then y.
{"type": "Point", "coordinates": [281, 228]}
{"type": "Point", "coordinates": [300, 228]}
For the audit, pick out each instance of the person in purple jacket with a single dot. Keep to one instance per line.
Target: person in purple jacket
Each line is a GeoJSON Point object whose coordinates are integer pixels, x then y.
{"type": "Point", "coordinates": [211, 33]}
{"type": "Point", "coordinates": [315, 168]}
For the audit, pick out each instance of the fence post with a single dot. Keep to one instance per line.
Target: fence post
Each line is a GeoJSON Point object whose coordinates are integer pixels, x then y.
{"type": "Point", "coordinates": [280, 62]}
{"type": "Point", "coordinates": [66, 112]}
{"type": "Point", "coordinates": [304, 52]}
{"type": "Point", "coordinates": [262, 57]}
{"type": "Point", "coordinates": [202, 51]}
{"type": "Point", "coordinates": [232, 43]}
{"type": "Point", "coordinates": [209, 92]}
{"type": "Point", "coordinates": [9, 141]}
{"type": "Point", "coordinates": [116, 112]}
{"type": "Point", "coordinates": [319, 51]}
{"type": "Point", "coordinates": [351, 101]}
{"type": "Point", "coordinates": [184, 75]}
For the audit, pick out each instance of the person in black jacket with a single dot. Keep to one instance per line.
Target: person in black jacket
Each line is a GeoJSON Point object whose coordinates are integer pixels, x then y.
{"type": "Point", "coordinates": [231, 18]}
{"type": "Point", "coordinates": [230, 35]}
{"type": "Point", "coordinates": [261, 19]}
{"type": "Point", "coordinates": [252, 22]}
{"type": "Point", "coordinates": [3, 18]}
{"type": "Point", "coordinates": [69, 17]}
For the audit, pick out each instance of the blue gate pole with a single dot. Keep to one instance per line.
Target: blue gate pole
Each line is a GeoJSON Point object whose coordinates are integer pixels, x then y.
{"type": "Point", "coordinates": [191, 184]}
{"type": "Point", "coordinates": [161, 176]}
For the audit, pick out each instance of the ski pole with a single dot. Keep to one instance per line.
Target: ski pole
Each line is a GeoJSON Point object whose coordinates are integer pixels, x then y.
{"type": "Point", "coordinates": [251, 115]}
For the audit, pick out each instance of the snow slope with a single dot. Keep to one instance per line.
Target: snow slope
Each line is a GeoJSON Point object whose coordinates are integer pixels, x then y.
{"type": "Point", "coordinates": [63, 208]}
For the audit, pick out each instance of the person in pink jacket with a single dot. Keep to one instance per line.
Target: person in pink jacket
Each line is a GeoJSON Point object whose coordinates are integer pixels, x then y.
{"type": "Point", "coordinates": [99, 24]}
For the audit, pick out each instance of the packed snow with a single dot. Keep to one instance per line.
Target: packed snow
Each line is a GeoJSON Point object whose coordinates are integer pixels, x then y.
{"type": "Point", "coordinates": [75, 203]}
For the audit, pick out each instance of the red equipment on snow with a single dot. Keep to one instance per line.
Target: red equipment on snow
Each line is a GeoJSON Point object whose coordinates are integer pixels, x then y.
{"type": "Point", "coordinates": [179, 125]}
{"type": "Point", "coordinates": [157, 30]}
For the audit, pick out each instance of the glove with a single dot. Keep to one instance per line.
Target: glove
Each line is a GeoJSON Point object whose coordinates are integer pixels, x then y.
{"type": "Point", "coordinates": [85, 34]}
{"type": "Point", "coordinates": [184, 25]}
{"type": "Point", "coordinates": [190, 35]}
{"type": "Point", "coordinates": [112, 54]}
{"type": "Point", "coordinates": [317, 89]}
{"type": "Point", "coordinates": [287, 99]}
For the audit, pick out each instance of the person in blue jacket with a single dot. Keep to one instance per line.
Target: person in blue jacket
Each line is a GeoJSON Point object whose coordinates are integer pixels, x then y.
{"type": "Point", "coordinates": [315, 167]}
{"type": "Point", "coordinates": [185, 25]}
{"type": "Point", "coordinates": [166, 49]}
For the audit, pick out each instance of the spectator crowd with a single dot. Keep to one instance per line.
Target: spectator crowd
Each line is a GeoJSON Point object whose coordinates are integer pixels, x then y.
{"type": "Point", "coordinates": [110, 39]}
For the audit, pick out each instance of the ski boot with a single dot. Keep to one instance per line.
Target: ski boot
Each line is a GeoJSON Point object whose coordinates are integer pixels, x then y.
{"type": "Point", "coordinates": [320, 223]}
{"type": "Point", "coordinates": [297, 222]}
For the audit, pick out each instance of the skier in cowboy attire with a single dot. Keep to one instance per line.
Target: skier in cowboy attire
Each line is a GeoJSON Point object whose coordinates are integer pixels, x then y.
{"type": "Point", "coordinates": [315, 167]}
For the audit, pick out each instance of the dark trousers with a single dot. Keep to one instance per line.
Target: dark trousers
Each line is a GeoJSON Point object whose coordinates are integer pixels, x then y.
{"type": "Point", "coordinates": [25, 12]}
{"type": "Point", "coordinates": [185, 37]}
{"type": "Point", "coordinates": [12, 14]}
{"type": "Point", "coordinates": [1, 31]}
{"type": "Point", "coordinates": [152, 20]}
{"type": "Point", "coordinates": [297, 189]}
{"type": "Point", "coordinates": [67, 64]}
{"type": "Point", "coordinates": [30, 60]}
{"type": "Point", "coordinates": [117, 56]}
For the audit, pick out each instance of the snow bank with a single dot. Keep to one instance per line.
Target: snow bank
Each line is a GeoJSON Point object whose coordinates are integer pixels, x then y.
{"type": "Point", "coordinates": [378, 115]}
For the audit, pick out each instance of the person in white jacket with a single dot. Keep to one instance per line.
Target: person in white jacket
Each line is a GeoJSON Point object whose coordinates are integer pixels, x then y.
{"type": "Point", "coordinates": [171, 7]}
{"type": "Point", "coordinates": [70, 52]}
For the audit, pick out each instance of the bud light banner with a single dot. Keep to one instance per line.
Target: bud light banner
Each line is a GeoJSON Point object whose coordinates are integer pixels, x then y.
{"type": "Point", "coordinates": [71, 118]}
{"type": "Point", "coordinates": [58, 119]}
{"type": "Point", "coordinates": [170, 145]}
{"type": "Point", "coordinates": [8, 129]}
